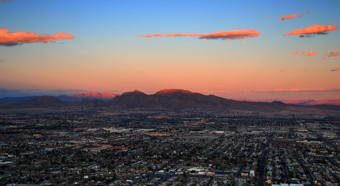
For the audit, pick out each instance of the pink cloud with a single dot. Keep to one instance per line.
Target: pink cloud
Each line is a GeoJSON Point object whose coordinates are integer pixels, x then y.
{"type": "Point", "coordinates": [314, 29]}
{"type": "Point", "coordinates": [304, 13]}
{"type": "Point", "coordinates": [311, 53]}
{"type": "Point", "coordinates": [304, 52]}
{"type": "Point", "coordinates": [287, 17]}
{"type": "Point", "coordinates": [233, 34]}
{"type": "Point", "coordinates": [17, 38]}
{"type": "Point", "coordinates": [334, 53]}
{"type": "Point", "coordinates": [336, 69]}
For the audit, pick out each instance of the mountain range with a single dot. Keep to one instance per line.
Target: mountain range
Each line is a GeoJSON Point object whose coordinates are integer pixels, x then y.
{"type": "Point", "coordinates": [74, 98]}
{"type": "Point", "coordinates": [164, 99]}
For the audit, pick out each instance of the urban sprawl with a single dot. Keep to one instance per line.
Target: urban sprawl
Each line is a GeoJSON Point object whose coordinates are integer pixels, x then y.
{"type": "Point", "coordinates": [103, 146]}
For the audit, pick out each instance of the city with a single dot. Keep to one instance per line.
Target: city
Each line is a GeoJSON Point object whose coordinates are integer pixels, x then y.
{"type": "Point", "coordinates": [103, 146]}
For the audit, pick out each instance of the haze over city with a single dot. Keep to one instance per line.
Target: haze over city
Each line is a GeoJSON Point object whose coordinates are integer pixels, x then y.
{"type": "Point", "coordinates": [250, 50]}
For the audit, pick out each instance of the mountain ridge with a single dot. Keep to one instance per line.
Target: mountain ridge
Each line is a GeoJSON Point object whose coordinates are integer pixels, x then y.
{"type": "Point", "coordinates": [166, 98]}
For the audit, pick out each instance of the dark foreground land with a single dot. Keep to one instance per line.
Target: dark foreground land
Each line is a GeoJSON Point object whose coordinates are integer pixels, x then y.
{"type": "Point", "coordinates": [106, 146]}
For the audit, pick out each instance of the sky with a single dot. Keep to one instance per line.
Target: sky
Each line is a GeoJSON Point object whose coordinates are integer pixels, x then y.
{"type": "Point", "coordinates": [233, 49]}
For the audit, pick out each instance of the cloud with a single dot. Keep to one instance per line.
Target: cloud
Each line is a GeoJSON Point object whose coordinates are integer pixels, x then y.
{"type": "Point", "coordinates": [314, 29]}
{"type": "Point", "coordinates": [304, 13]}
{"type": "Point", "coordinates": [292, 16]}
{"type": "Point", "coordinates": [255, 41]}
{"type": "Point", "coordinates": [1, 61]}
{"type": "Point", "coordinates": [336, 69]}
{"type": "Point", "coordinates": [233, 34]}
{"type": "Point", "coordinates": [268, 17]}
{"type": "Point", "coordinates": [311, 53]}
{"type": "Point", "coordinates": [304, 52]}
{"type": "Point", "coordinates": [296, 53]}
{"type": "Point", "coordinates": [4, 1]}
{"type": "Point", "coordinates": [287, 17]}
{"type": "Point", "coordinates": [243, 41]}
{"type": "Point", "coordinates": [334, 53]}
{"type": "Point", "coordinates": [18, 38]}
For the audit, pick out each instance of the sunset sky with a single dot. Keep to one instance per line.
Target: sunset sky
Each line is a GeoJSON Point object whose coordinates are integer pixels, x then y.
{"type": "Point", "coordinates": [233, 49]}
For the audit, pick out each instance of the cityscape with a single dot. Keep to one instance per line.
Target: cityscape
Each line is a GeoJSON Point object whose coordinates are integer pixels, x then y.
{"type": "Point", "coordinates": [169, 93]}
{"type": "Point", "coordinates": [103, 146]}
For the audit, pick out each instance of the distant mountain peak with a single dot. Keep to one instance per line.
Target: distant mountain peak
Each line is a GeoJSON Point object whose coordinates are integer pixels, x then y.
{"type": "Point", "coordinates": [136, 92]}
{"type": "Point", "coordinates": [278, 102]}
{"type": "Point", "coordinates": [171, 91]}
{"type": "Point", "coordinates": [95, 95]}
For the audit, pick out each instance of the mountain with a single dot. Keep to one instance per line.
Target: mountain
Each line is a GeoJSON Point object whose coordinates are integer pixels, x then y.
{"type": "Point", "coordinates": [325, 102]}
{"type": "Point", "coordinates": [298, 102]}
{"type": "Point", "coordinates": [183, 99]}
{"type": "Point", "coordinates": [170, 99]}
{"type": "Point", "coordinates": [278, 102]}
{"type": "Point", "coordinates": [314, 102]}
{"type": "Point", "coordinates": [38, 102]}
{"type": "Point", "coordinates": [89, 95]}
{"type": "Point", "coordinates": [9, 100]}
{"type": "Point", "coordinates": [91, 103]}
{"type": "Point", "coordinates": [94, 95]}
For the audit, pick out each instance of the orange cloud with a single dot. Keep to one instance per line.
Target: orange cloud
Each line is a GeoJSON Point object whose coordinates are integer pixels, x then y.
{"type": "Point", "coordinates": [334, 53]}
{"type": "Point", "coordinates": [304, 13]}
{"type": "Point", "coordinates": [234, 34]}
{"type": "Point", "coordinates": [314, 29]}
{"type": "Point", "coordinates": [311, 53]}
{"type": "Point", "coordinates": [17, 38]}
{"type": "Point", "coordinates": [296, 53]}
{"type": "Point", "coordinates": [304, 52]}
{"type": "Point", "coordinates": [243, 41]}
{"type": "Point", "coordinates": [287, 17]}
{"type": "Point", "coordinates": [336, 69]}
{"type": "Point", "coordinates": [255, 41]}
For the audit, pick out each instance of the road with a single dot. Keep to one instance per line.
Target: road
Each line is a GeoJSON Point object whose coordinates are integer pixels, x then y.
{"type": "Point", "coordinates": [263, 163]}
{"type": "Point", "coordinates": [306, 169]}
{"type": "Point", "coordinates": [284, 167]}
